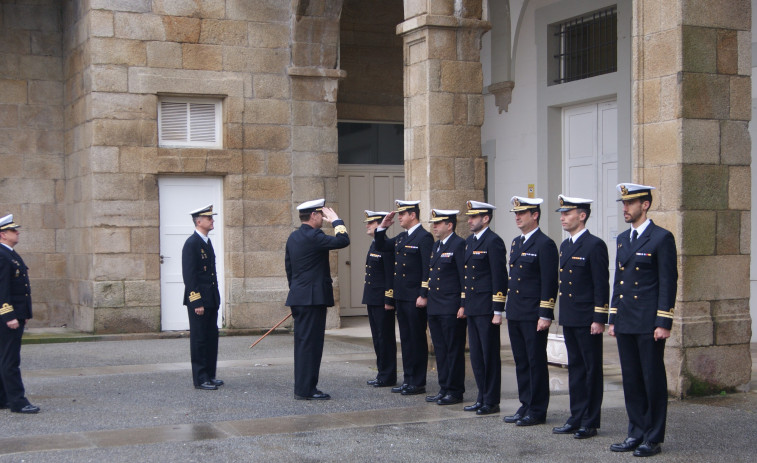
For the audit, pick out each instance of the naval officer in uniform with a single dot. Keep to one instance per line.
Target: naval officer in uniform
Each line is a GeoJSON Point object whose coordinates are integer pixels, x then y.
{"type": "Point", "coordinates": [584, 306]}
{"type": "Point", "coordinates": [641, 316]}
{"type": "Point", "coordinates": [530, 310]}
{"type": "Point", "coordinates": [446, 321]}
{"type": "Point", "coordinates": [202, 298]}
{"type": "Point", "coordinates": [310, 291]}
{"type": "Point", "coordinates": [412, 253]}
{"type": "Point", "coordinates": [379, 273]}
{"type": "Point", "coordinates": [15, 309]}
{"type": "Point", "coordinates": [484, 290]}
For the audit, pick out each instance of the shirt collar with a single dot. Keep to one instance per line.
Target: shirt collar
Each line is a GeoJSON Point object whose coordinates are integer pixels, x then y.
{"type": "Point", "coordinates": [528, 235]}
{"type": "Point", "coordinates": [641, 228]}
{"type": "Point", "coordinates": [204, 237]}
{"type": "Point", "coordinates": [7, 246]}
{"type": "Point", "coordinates": [479, 234]}
{"type": "Point", "coordinates": [578, 235]}
{"type": "Point", "coordinates": [413, 228]}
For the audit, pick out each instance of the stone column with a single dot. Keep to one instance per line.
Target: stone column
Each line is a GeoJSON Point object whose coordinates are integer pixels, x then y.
{"type": "Point", "coordinates": [444, 106]}
{"type": "Point", "coordinates": [692, 90]}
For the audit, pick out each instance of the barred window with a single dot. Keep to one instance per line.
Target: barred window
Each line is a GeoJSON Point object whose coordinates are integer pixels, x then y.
{"type": "Point", "coordinates": [585, 46]}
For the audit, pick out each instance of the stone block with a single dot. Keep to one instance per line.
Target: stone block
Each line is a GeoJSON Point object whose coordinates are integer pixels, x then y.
{"type": "Point", "coordinates": [258, 10]}
{"type": "Point", "coordinates": [671, 106]}
{"type": "Point", "coordinates": [34, 17]}
{"type": "Point", "coordinates": [444, 174]}
{"type": "Point", "coordinates": [699, 284]}
{"type": "Point", "coordinates": [261, 315]}
{"type": "Point", "coordinates": [745, 52]}
{"type": "Point", "coordinates": [266, 238]}
{"type": "Point", "coordinates": [700, 49]}
{"type": "Point", "coordinates": [271, 86]}
{"type": "Point", "coordinates": [701, 141]}
{"type": "Point", "coordinates": [732, 330]}
{"type": "Point", "coordinates": [711, 369]}
{"type": "Point", "coordinates": [662, 143]}
{"type": "Point", "coordinates": [727, 52]}
{"type": "Point", "coordinates": [728, 233]}
{"type": "Point", "coordinates": [13, 91]}
{"type": "Point", "coordinates": [314, 138]}
{"type": "Point", "coordinates": [115, 186]}
{"type": "Point", "coordinates": [111, 240]}
{"type": "Point", "coordinates": [164, 55]}
{"type": "Point", "coordinates": [8, 116]}
{"type": "Point", "coordinates": [692, 332]}
{"type": "Point", "coordinates": [324, 115]}
{"type": "Point", "coordinates": [233, 136]}
{"type": "Point", "coordinates": [48, 44]}
{"type": "Point", "coordinates": [746, 232]}
{"type": "Point", "coordinates": [101, 23]}
{"type": "Point", "coordinates": [202, 57]}
{"type": "Point", "coordinates": [267, 137]}
{"type": "Point", "coordinates": [118, 266]}
{"type": "Point", "coordinates": [40, 68]}
{"type": "Point", "coordinates": [104, 159]}
{"type": "Point", "coordinates": [304, 188]}
{"type": "Point", "coordinates": [264, 263]}
{"type": "Point", "coordinates": [256, 60]}
{"type": "Point", "coordinates": [306, 164]}
{"type": "Point", "coordinates": [136, 6]}
{"type": "Point", "coordinates": [117, 51]}
{"type": "Point", "coordinates": [122, 106]}
{"type": "Point", "coordinates": [735, 14]}
{"type": "Point", "coordinates": [704, 187]}
{"type": "Point", "coordinates": [279, 163]}
{"type": "Point", "coordinates": [442, 44]}
{"type": "Point", "coordinates": [699, 233]}
{"type": "Point", "coordinates": [706, 96]}
{"type": "Point", "coordinates": [454, 141]}
{"type": "Point", "coordinates": [177, 7]}
{"type": "Point", "coordinates": [255, 162]}
{"type": "Point", "coordinates": [225, 161]}
{"type": "Point", "coordinates": [739, 188]}
{"type": "Point", "coordinates": [268, 213]}
{"type": "Point", "coordinates": [268, 35]}
{"type": "Point", "coordinates": [145, 240]}
{"type": "Point", "coordinates": [118, 132]}
{"type": "Point", "coordinates": [662, 56]}
{"type": "Point", "coordinates": [45, 92]}
{"type": "Point", "coordinates": [267, 111]}
{"type": "Point", "coordinates": [741, 97]}
{"type": "Point", "coordinates": [223, 32]}
{"type": "Point", "coordinates": [415, 8]}
{"type": "Point", "coordinates": [108, 294]}
{"type": "Point", "coordinates": [416, 79]}
{"type": "Point", "coordinates": [127, 320]}
{"type": "Point", "coordinates": [735, 143]}
{"type": "Point", "coordinates": [181, 30]}
{"type": "Point", "coordinates": [142, 293]}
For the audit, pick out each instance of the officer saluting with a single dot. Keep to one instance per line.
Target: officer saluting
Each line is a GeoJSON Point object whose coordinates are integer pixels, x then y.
{"type": "Point", "coordinates": [446, 321]}
{"type": "Point", "coordinates": [483, 302]}
{"type": "Point", "coordinates": [379, 273]}
{"type": "Point", "coordinates": [310, 291]}
{"type": "Point", "coordinates": [584, 306]}
{"type": "Point", "coordinates": [15, 309]}
{"type": "Point", "coordinates": [530, 310]}
{"type": "Point", "coordinates": [641, 316]}
{"type": "Point", "coordinates": [202, 298]}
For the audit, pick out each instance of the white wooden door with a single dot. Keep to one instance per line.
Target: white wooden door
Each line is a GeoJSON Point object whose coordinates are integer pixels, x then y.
{"type": "Point", "coordinates": [178, 196]}
{"type": "Point", "coordinates": [590, 165]}
{"type": "Point", "coordinates": [362, 187]}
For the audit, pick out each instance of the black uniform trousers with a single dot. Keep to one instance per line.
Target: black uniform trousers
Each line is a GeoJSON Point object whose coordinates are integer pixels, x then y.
{"type": "Point", "coordinates": [412, 323]}
{"type": "Point", "coordinates": [203, 344]}
{"type": "Point", "coordinates": [309, 327]}
{"type": "Point", "coordinates": [448, 336]}
{"type": "Point", "coordinates": [384, 342]}
{"type": "Point", "coordinates": [11, 386]}
{"type": "Point", "coordinates": [530, 353]}
{"type": "Point", "coordinates": [484, 345]}
{"type": "Point", "coordinates": [645, 385]}
{"type": "Point", "coordinates": [585, 377]}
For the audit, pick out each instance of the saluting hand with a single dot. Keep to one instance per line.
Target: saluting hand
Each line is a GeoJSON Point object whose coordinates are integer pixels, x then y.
{"type": "Point", "coordinates": [329, 215]}
{"type": "Point", "coordinates": [387, 222]}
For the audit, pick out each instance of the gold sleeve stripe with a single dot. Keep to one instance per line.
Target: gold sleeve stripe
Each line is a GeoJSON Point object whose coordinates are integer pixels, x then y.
{"type": "Point", "coordinates": [340, 229]}
{"type": "Point", "coordinates": [424, 284]}
{"type": "Point", "coordinates": [499, 297]}
{"type": "Point", "coordinates": [601, 310]}
{"type": "Point", "coordinates": [664, 314]}
{"type": "Point", "coordinates": [613, 310]}
{"type": "Point", "coordinates": [550, 304]}
{"type": "Point", "coordinates": [6, 308]}
{"type": "Point", "coordinates": [193, 296]}
{"type": "Point", "coordinates": [462, 295]}
{"type": "Point", "coordinates": [389, 293]}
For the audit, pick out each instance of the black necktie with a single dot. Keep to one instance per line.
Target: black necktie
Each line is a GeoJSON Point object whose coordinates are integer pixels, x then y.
{"type": "Point", "coordinates": [634, 236]}
{"type": "Point", "coordinates": [522, 240]}
{"type": "Point", "coordinates": [570, 241]}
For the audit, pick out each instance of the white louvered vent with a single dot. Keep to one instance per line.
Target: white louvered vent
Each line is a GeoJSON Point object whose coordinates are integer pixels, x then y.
{"type": "Point", "coordinates": [189, 123]}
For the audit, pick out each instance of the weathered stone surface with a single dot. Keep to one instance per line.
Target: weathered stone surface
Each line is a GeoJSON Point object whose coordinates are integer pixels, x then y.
{"type": "Point", "coordinates": [701, 141]}
{"type": "Point", "coordinates": [178, 29]}
{"type": "Point", "coordinates": [163, 55]}
{"type": "Point", "coordinates": [202, 57]}
{"type": "Point", "coordinates": [705, 187]}
{"type": "Point", "coordinates": [267, 188]}
{"type": "Point", "coordinates": [727, 52]}
{"type": "Point", "coordinates": [255, 60]}
{"type": "Point", "coordinates": [258, 10]}
{"type": "Point", "coordinates": [735, 14]}
{"type": "Point", "coordinates": [101, 23]}
{"type": "Point", "coordinates": [699, 233]}
{"type": "Point", "coordinates": [108, 294]}
{"type": "Point", "coordinates": [700, 49]}
{"type": "Point", "coordinates": [746, 232]}
{"type": "Point", "coordinates": [698, 283]}
{"type": "Point", "coordinates": [662, 143]}
{"type": "Point", "coordinates": [142, 293]}
{"type": "Point", "coordinates": [728, 236]}
{"type": "Point", "coordinates": [219, 32]}
{"type": "Point", "coordinates": [706, 96]}
{"type": "Point", "coordinates": [13, 91]}
{"type": "Point", "coordinates": [268, 35]}
{"type": "Point", "coordinates": [271, 86]}
{"type": "Point", "coordinates": [739, 187]}
{"type": "Point", "coordinates": [266, 137]}
{"type": "Point", "coordinates": [117, 51]}
{"type": "Point", "coordinates": [741, 97]}
{"type": "Point", "coordinates": [137, 6]}
{"type": "Point", "coordinates": [713, 368]}
{"type": "Point", "coordinates": [127, 320]}
{"type": "Point", "coordinates": [111, 240]}
{"type": "Point", "coordinates": [139, 26]}
{"type": "Point", "coordinates": [267, 111]}
{"type": "Point", "coordinates": [45, 92]}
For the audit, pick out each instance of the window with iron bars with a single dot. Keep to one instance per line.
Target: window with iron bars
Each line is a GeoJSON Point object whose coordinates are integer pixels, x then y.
{"type": "Point", "coordinates": [585, 46]}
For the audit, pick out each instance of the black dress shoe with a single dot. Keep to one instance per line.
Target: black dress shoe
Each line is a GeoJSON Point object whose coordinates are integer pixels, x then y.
{"type": "Point", "coordinates": [29, 409]}
{"type": "Point", "coordinates": [473, 408]}
{"type": "Point", "coordinates": [647, 449]}
{"type": "Point", "coordinates": [207, 386]}
{"type": "Point", "coordinates": [512, 418]}
{"type": "Point", "coordinates": [217, 382]}
{"type": "Point", "coordinates": [626, 446]}
{"type": "Point", "coordinates": [371, 382]}
{"type": "Point", "coordinates": [529, 420]}
{"type": "Point", "coordinates": [434, 398]}
{"type": "Point", "coordinates": [400, 388]}
{"type": "Point", "coordinates": [564, 429]}
{"type": "Point", "coordinates": [413, 390]}
{"type": "Point", "coordinates": [585, 433]}
{"type": "Point", "coordinates": [318, 395]}
{"type": "Point", "coordinates": [487, 409]}
{"type": "Point", "coordinates": [449, 400]}
{"type": "Point", "coordinates": [379, 383]}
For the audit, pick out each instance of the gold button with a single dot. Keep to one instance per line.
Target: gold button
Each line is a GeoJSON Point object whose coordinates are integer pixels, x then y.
{"type": "Point", "coordinates": [509, 278]}
{"type": "Point", "coordinates": [517, 291]}
{"type": "Point", "coordinates": [561, 270]}
{"type": "Point", "coordinates": [570, 295]}
{"type": "Point", "coordinates": [518, 279]}
{"type": "Point", "coordinates": [636, 283]}
{"type": "Point", "coordinates": [570, 271]}
{"type": "Point", "coordinates": [403, 274]}
{"type": "Point", "coordinates": [570, 283]}
{"type": "Point", "coordinates": [621, 296]}
{"type": "Point", "coordinates": [512, 265]}
{"type": "Point", "coordinates": [622, 268]}
{"type": "Point", "coordinates": [508, 290]}
{"type": "Point", "coordinates": [520, 266]}
{"type": "Point", "coordinates": [621, 282]}
{"type": "Point", "coordinates": [636, 297]}
{"type": "Point", "coordinates": [559, 294]}
{"type": "Point", "coordinates": [637, 269]}
{"type": "Point", "coordinates": [466, 266]}
{"type": "Point", "coordinates": [403, 264]}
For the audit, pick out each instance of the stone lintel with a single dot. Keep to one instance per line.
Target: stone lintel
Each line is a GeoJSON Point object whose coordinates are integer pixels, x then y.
{"type": "Point", "coordinates": [441, 21]}
{"type": "Point", "coordinates": [313, 71]}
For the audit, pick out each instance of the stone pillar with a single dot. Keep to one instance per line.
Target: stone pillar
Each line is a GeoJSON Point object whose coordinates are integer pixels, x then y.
{"type": "Point", "coordinates": [444, 106]}
{"type": "Point", "coordinates": [692, 90]}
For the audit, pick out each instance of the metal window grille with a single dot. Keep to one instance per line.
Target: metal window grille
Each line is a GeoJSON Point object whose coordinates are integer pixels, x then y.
{"type": "Point", "coordinates": [588, 45]}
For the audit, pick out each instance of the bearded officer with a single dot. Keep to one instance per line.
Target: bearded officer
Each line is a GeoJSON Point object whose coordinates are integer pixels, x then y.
{"type": "Point", "coordinates": [530, 310]}
{"type": "Point", "coordinates": [379, 273]}
{"type": "Point", "coordinates": [15, 309]}
{"type": "Point", "coordinates": [641, 316]}
{"type": "Point", "coordinates": [584, 307]}
{"type": "Point", "coordinates": [310, 291]}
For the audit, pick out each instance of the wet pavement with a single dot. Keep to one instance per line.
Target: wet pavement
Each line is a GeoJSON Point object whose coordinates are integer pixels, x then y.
{"type": "Point", "coordinates": [133, 400]}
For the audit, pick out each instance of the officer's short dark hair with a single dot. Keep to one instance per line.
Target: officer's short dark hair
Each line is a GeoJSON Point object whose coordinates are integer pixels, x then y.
{"type": "Point", "coordinates": [587, 212]}
{"type": "Point", "coordinates": [537, 209]}
{"type": "Point", "coordinates": [305, 216]}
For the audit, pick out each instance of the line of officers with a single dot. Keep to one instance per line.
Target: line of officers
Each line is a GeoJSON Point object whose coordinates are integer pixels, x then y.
{"type": "Point", "coordinates": [453, 284]}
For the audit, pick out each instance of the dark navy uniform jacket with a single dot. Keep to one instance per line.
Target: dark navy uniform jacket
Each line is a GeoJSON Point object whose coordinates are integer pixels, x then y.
{"type": "Point", "coordinates": [15, 292]}
{"type": "Point", "coordinates": [445, 277]}
{"type": "Point", "coordinates": [533, 278]}
{"type": "Point", "coordinates": [584, 281]}
{"type": "Point", "coordinates": [198, 268]}
{"type": "Point", "coordinates": [485, 278]}
{"type": "Point", "coordinates": [379, 272]}
{"type": "Point", "coordinates": [411, 259]}
{"type": "Point", "coordinates": [307, 264]}
{"type": "Point", "coordinates": [646, 278]}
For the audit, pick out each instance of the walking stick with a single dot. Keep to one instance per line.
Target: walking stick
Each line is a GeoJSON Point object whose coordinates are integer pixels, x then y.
{"type": "Point", "coordinates": [269, 331]}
